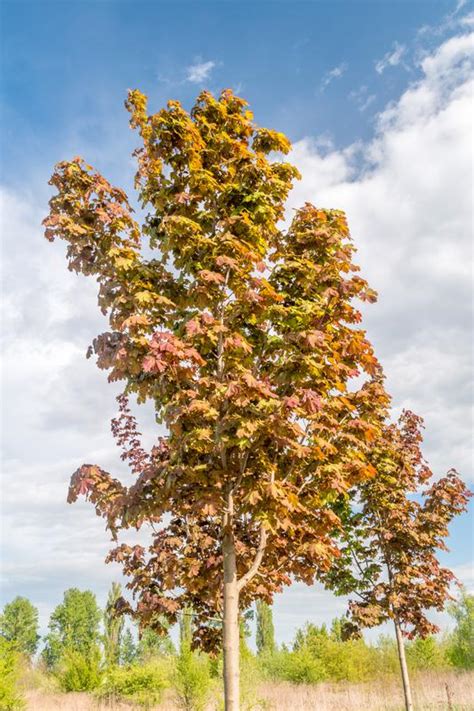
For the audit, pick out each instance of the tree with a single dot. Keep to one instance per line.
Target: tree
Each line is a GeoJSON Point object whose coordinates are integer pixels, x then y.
{"type": "Point", "coordinates": [186, 628]}
{"type": "Point", "coordinates": [265, 635]}
{"type": "Point", "coordinates": [151, 644]}
{"type": "Point", "coordinates": [390, 540]}
{"type": "Point", "coordinates": [128, 649]}
{"type": "Point", "coordinates": [113, 626]}
{"type": "Point", "coordinates": [73, 627]}
{"type": "Point", "coordinates": [461, 648]}
{"type": "Point", "coordinates": [244, 337]}
{"type": "Point", "coordinates": [192, 679]}
{"type": "Point", "coordinates": [10, 672]}
{"type": "Point", "coordinates": [19, 625]}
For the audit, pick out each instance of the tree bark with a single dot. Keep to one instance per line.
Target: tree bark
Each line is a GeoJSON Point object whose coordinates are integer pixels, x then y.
{"type": "Point", "coordinates": [231, 637]}
{"type": "Point", "coordinates": [403, 666]}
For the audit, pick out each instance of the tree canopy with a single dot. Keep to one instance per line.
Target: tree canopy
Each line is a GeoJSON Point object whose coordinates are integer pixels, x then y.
{"type": "Point", "coordinates": [73, 626]}
{"type": "Point", "coordinates": [245, 337]}
{"type": "Point", "coordinates": [19, 625]}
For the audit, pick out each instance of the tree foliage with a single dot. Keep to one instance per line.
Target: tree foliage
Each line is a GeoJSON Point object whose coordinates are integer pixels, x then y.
{"type": "Point", "coordinates": [128, 649]}
{"type": "Point", "coordinates": [73, 627]}
{"type": "Point", "coordinates": [19, 625]}
{"type": "Point", "coordinates": [11, 698]}
{"type": "Point", "coordinates": [265, 632]}
{"type": "Point", "coordinates": [151, 644]}
{"type": "Point", "coordinates": [113, 626]}
{"type": "Point", "coordinates": [461, 648]}
{"type": "Point", "coordinates": [244, 336]}
{"type": "Point", "coordinates": [391, 539]}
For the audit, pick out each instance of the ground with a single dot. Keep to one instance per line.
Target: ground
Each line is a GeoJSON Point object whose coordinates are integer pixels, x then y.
{"type": "Point", "coordinates": [435, 691]}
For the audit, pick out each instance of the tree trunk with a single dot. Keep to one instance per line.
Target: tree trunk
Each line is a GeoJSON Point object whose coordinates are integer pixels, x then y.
{"type": "Point", "coordinates": [231, 641]}
{"type": "Point", "coordinates": [403, 666]}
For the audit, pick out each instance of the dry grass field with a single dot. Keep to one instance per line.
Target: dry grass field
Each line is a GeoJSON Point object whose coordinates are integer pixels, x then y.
{"type": "Point", "coordinates": [448, 691]}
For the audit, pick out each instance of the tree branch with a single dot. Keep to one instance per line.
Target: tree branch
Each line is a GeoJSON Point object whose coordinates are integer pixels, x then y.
{"type": "Point", "coordinates": [252, 571]}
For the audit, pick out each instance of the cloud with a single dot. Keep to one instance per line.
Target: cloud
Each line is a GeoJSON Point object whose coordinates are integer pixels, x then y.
{"type": "Point", "coordinates": [56, 409]}
{"type": "Point", "coordinates": [334, 73]}
{"type": "Point", "coordinates": [452, 22]}
{"type": "Point", "coordinates": [406, 194]}
{"type": "Point", "coordinates": [199, 72]}
{"type": "Point", "coordinates": [391, 59]}
{"type": "Point", "coordinates": [362, 98]}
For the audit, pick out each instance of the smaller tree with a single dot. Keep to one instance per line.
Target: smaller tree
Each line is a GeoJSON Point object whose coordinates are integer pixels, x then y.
{"type": "Point", "coordinates": [461, 649]}
{"type": "Point", "coordinates": [73, 626]}
{"type": "Point", "coordinates": [153, 644]}
{"type": "Point", "coordinates": [265, 634]}
{"type": "Point", "coordinates": [113, 626]}
{"type": "Point", "coordinates": [192, 679]}
{"type": "Point", "coordinates": [19, 625]}
{"type": "Point", "coordinates": [128, 649]}
{"type": "Point", "coordinates": [390, 539]}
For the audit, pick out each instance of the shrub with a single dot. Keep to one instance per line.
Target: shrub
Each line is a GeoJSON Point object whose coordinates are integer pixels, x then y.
{"type": "Point", "coordinates": [299, 667]}
{"type": "Point", "coordinates": [426, 654]}
{"type": "Point", "coordinates": [352, 660]}
{"type": "Point", "coordinates": [138, 684]}
{"type": "Point", "coordinates": [10, 669]}
{"type": "Point", "coordinates": [387, 656]}
{"type": "Point", "coordinates": [192, 680]}
{"type": "Point", "coordinates": [77, 672]}
{"type": "Point", "coordinates": [250, 678]}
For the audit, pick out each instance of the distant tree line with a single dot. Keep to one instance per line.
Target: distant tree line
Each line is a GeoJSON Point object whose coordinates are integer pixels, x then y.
{"type": "Point", "coordinates": [89, 649]}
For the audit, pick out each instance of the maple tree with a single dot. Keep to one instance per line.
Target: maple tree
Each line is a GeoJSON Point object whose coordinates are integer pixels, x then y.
{"type": "Point", "coordinates": [390, 540]}
{"type": "Point", "coordinates": [245, 337]}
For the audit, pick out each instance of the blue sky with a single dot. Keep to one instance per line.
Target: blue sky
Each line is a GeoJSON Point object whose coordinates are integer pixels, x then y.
{"type": "Point", "coordinates": [68, 65]}
{"type": "Point", "coordinates": [375, 97]}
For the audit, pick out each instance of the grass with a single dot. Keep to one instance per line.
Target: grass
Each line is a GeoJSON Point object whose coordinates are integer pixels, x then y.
{"type": "Point", "coordinates": [429, 691]}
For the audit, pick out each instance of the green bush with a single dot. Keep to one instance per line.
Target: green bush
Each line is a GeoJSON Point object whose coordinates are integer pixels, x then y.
{"type": "Point", "coordinates": [426, 653]}
{"type": "Point", "coordinates": [250, 678]}
{"type": "Point", "coordinates": [386, 656]}
{"type": "Point", "coordinates": [299, 667]}
{"type": "Point", "coordinates": [76, 671]}
{"type": "Point", "coordinates": [142, 684]}
{"type": "Point", "coordinates": [352, 660]}
{"type": "Point", "coordinates": [192, 680]}
{"type": "Point", "coordinates": [10, 670]}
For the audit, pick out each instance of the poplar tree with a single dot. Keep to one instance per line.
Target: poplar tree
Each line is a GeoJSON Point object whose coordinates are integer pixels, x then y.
{"type": "Point", "coordinates": [113, 626]}
{"type": "Point", "coordinates": [265, 633]}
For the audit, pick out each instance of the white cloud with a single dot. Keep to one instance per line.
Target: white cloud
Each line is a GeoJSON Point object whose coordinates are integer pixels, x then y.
{"type": "Point", "coordinates": [334, 73]}
{"type": "Point", "coordinates": [362, 98]}
{"type": "Point", "coordinates": [452, 22]}
{"type": "Point", "coordinates": [391, 58]}
{"type": "Point", "coordinates": [199, 72]}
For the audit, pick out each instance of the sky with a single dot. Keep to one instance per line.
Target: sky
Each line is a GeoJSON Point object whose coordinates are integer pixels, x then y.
{"type": "Point", "coordinates": [377, 100]}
